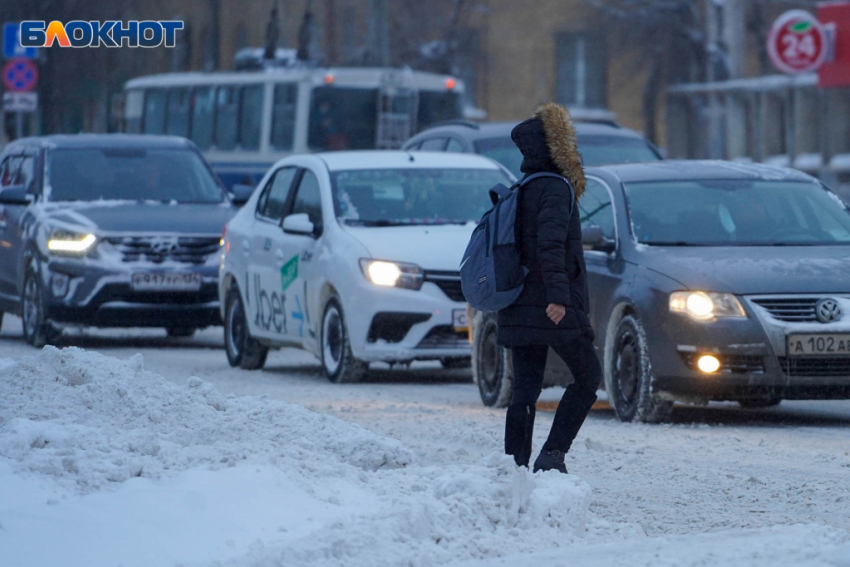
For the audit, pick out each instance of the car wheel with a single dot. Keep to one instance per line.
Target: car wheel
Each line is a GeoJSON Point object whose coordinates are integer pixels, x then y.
{"type": "Point", "coordinates": [629, 382]}
{"type": "Point", "coordinates": [340, 365]}
{"type": "Point", "coordinates": [456, 362]}
{"type": "Point", "coordinates": [38, 331]}
{"type": "Point", "coordinates": [242, 349]}
{"type": "Point", "coordinates": [180, 332]}
{"type": "Point", "coordinates": [491, 365]}
{"type": "Point", "coordinates": [759, 403]}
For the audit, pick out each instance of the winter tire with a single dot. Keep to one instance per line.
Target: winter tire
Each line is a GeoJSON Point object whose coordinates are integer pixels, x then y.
{"type": "Point", "coordinates": [340, 365]}
{"type": "Point", "coordinates": [491, 363]}
{"type": "Point", "coordinates": [38, 330]}
{"type": "Point", "coordinates": [456, 362]}
{"type": "Point", "coordinates": [629, 381]}
{"type": "Point", "coordinates": [180, 332]}
{"type": "Point", "coordinates": [759, 403]}
{"type": "Point", "coordinates": [242, 350]}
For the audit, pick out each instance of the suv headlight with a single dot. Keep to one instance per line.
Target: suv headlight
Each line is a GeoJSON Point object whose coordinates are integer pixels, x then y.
{"type": "Point", "coordinates": [71, 243]}
{"type": "Point", "coordinates": [392, 274]}
{"type": "Point", "coordinates": [704, 305]}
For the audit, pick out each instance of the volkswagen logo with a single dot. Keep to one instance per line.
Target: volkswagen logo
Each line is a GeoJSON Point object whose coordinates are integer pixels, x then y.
{"type": "Point", "coordinates": [827, 310]}
{"type": "Point", "coordinates": [164, 246]}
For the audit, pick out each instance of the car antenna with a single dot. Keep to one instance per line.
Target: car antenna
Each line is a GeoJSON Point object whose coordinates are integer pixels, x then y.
{"type": "Point", "coordinates": [410, 155]}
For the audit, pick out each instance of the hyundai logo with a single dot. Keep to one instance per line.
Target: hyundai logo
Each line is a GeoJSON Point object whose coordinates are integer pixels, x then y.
{"type": "Point", "coordinates": [827, 310]}
{"type": "Point", "coordinates": [164, 246]}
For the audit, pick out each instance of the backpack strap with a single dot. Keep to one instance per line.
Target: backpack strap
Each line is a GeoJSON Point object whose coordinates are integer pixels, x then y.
{"type": "Point", "coordinates": [498, 192]}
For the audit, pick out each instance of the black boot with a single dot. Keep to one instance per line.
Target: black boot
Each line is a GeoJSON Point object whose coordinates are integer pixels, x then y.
{"type": "Point", "coordinates": [519, 426]}
{"type": "Point", "coordinates": [550, 460]}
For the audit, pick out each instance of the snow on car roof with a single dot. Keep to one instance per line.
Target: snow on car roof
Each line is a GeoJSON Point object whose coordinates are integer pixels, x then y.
{"type": "Point", "coordinates": [393, 159]}
{"type": "Point", "coordinates": [106, 141]}
{"type": "Point", "coordinates": [671, 170]}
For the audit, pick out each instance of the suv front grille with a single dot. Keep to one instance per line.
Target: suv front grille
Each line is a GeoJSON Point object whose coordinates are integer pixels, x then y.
{"type": "Point", "coordinates": [157, 249]}
{"type": "Point", "coordinates": [815, 366]}
{"type": "Point", "coordinates": [444, 336]}
{"type": "Point", "coordinates": [449, 282]}
{"type": "Point", "coordinates": [791, 309]}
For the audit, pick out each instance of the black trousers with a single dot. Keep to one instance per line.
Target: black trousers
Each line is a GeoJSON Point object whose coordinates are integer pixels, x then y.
{"type": "Point", "coordinates": [529, 364]}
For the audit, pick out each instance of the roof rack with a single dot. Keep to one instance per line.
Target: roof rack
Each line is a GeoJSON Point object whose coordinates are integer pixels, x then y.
{"type": "Point", "coordinates": [454, 122]}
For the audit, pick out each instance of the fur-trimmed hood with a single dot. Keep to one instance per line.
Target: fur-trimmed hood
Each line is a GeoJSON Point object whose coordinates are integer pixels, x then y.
{"type": "Point", "coordinates": [548, 142]}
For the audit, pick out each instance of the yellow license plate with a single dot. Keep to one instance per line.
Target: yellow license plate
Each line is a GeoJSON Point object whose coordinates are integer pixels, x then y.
{"type": "Point", "coordinates": [819, 345]}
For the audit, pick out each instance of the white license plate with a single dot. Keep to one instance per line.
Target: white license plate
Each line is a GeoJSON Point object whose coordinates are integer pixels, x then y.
{"type": "Point", "coordinates": [164, 281]}
{"type": "Point", "coordinates": [819, 345]}
{"type": "Point", "coordinates": [459, 320]}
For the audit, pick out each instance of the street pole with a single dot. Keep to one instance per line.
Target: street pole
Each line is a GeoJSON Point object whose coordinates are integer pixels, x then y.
{"type": "Point", "coordinates": [379, 32]}
{"type": "Point", "coordinates": [714, 116]}
{"type": "Point", "coordinates": [734, 40]}
{"type": "Point", "coordinates": [19, 125]}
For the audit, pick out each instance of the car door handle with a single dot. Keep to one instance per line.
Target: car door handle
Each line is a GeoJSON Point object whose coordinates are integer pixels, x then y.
{"type": "Point", "coordinates": [246, 246]}
{"type": "Point", "coordinates": [278, 255]}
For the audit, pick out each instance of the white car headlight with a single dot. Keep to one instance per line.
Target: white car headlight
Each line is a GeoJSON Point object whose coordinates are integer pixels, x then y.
{"type": "Point", "coordinates": [392, 274]}
{"type": "Point", "coordinates": [71, 243]}
{"type": "Point", "coordinates": [706, 305]}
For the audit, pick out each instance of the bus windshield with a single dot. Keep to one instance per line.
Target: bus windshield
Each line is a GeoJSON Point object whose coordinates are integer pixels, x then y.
{"type": "Point", "coordinates": [136, 174]}
{"type": "Point", "coordinates": [392, 197]}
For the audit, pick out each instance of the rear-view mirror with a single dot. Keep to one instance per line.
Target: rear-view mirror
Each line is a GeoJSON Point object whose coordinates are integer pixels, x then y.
{"type": "Point", "coordinates": [593, 238]}
{"type": "Point", "coordinates": [240, 194]}
{"type": "Point", "coordinates": [299, 224]}
{"type": "Point", "coordinates": [15, 195]}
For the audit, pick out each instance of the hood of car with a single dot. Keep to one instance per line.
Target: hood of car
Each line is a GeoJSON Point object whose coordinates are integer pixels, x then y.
{"type": "Point", "coordinates": [432, 247]}
{"type": "Point", "coordinates": [143, 217]}
{"type": "Point", "coordinates": [753, 269]}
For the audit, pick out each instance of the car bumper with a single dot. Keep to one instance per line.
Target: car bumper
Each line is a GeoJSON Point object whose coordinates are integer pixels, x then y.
{"type": "Point", "coordinates": [752, 356]}
{"type": "Point", "coordinates": [400, 325]}
{"type": "Point", "coordinates": [104, 297]}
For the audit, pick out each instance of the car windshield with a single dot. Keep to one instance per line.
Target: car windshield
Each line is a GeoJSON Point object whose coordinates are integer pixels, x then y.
{"type": "Point", "coordinates": [390, 197]}
{"type": "Point", "coordinates": [134, 174]}
{"type": "Point", "coordinates": [732, 212]}
{"type": "Point", "coordinates": [595, 150]}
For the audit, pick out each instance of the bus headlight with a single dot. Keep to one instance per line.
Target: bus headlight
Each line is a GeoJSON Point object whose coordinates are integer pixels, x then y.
{"type": "Point", "coordinates": [706, 305]}
{"type": "Point", "coordinates": [71, 243]}
{"type": "Point", "coordinates": [392, 274]}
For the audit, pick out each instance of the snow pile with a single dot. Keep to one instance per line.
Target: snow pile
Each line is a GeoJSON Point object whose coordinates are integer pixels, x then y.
{"type": "Point", "coordinates": [94, 450]}
{"type": "Point", "coordinates": [90, 420]}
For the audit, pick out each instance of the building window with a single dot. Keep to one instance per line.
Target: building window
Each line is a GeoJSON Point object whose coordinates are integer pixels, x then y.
{"type": "Point", "coordinates": [581, 77]}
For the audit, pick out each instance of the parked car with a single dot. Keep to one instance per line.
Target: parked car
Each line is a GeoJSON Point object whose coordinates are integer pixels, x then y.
{"type": "Point", "coordinates": [600, 141]}
{"type": "Point", "coordinates": [354, 256]}
{"type": "Point", "coordinates": [109, 231]}
{"type": "Point", "coordinates": [708, 281]}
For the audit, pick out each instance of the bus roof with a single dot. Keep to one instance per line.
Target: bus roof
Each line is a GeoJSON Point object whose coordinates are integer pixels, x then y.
{"type": "Point", "coordinates": [363, 77]}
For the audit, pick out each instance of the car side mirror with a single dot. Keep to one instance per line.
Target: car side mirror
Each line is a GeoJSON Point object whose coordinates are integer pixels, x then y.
{"type": "Point", "coordinates": [299, 224]}
{"type": "Point", "coordinates": [240, 194]}
{"type": "Point", "coordinates": [593, 238]}
{"type": "Point", "coordinates": [16, 195]}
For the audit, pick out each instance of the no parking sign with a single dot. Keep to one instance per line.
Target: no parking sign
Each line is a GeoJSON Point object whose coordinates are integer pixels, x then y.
{"type": "Point", "coordinates": [20, 75]}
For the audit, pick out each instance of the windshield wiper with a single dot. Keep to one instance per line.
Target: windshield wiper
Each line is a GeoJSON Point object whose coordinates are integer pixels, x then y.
{"type": "Point", "coordinates": [676, 243]}
{"type": "Point", "coordinates": [378, 222]}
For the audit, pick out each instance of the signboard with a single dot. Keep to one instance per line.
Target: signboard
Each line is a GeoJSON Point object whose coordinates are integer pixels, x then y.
{"type": "Point", "coordinates": [835, 72]}
{"type": "Point", "coordinates": [20, 102]}
{"type": "Point", "coordinates": [12, 47]}
{"type": "Point", "coordinates": [797, 42]}
{"type": "Point", "coordinates": [20, 75]}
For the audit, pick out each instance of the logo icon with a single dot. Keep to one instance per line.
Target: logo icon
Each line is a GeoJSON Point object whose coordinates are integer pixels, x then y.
{"type": "Point", "coordinates": [164, 246]}
{"type": "Point", "coordinates": [827, 310]}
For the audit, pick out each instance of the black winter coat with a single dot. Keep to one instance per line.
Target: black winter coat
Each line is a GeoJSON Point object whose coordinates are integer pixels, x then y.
{"type": "Point", "coordinates": [549, 233]}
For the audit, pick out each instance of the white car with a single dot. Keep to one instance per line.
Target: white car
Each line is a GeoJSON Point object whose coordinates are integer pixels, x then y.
{"type": "Point", "coordinates": [354, 257]}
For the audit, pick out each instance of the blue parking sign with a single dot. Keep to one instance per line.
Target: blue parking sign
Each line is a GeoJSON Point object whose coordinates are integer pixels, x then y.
{"type": "Point", "coordinates": [12, 43]}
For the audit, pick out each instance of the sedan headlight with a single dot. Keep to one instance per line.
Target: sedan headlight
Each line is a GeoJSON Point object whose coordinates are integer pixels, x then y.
{"type": "Point", "coordinates": [392, 274]}
{"type": "Point", "coordinates": [706, 305]}
{"type": "Point", "coordinates": [71, 243]}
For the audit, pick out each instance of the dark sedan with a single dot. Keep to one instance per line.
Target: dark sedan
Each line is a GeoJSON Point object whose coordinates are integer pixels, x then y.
{"type": "Point", "coordinates": [708, 281]}
{"type": "Point", "coordinates": [109, 231]}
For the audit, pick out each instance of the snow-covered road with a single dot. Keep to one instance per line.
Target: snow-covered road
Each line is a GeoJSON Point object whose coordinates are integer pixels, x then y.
{"type": "Point", "coordinates": [713, 469]}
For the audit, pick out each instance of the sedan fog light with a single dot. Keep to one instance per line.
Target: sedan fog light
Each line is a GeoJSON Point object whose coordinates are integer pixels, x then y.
{"type": "Point", "coordinates": [59, 284]}
{"type": "Point", "coordinates": [708, 363]}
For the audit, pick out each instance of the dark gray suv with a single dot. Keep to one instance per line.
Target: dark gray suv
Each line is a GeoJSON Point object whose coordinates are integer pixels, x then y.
{"type": "Point", "coordinates": [601, 142]}
{"type": "Point", "coordinates": [109, 231]}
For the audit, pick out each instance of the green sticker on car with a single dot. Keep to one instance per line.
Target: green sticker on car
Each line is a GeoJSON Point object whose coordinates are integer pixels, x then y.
{"type": "Point", "coordinates": [289, 272]}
